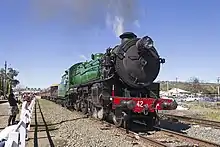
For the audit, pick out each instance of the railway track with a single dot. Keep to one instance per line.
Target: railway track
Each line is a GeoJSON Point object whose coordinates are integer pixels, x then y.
{"type": "Point", "coordinates": [145, 139]}
{"type": "Point", "coordinates": [159, 138]}
{"type": "Point", "coordinates": [172, 138]}
{"type": "Point", "coordinates": [40, 128]}
{"type": "Point", "coordinates": [142, 140]}
{"type": "Point", "coordinates": [3, 101]}
{"type": "Point", "coordinates": [185, 138]}
{"type": "Point", "coordinates": [204, 122]}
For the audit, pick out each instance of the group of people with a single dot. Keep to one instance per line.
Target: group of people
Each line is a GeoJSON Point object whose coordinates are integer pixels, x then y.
{"type": "Point", "coordinates": [14, 109]}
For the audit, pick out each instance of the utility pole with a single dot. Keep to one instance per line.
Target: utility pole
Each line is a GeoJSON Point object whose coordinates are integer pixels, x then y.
{"type": "Point", "coordinates": [167, 85]}
{"type": "Point", "coordinates": [218, 79]}
{"type": "Point", "coordinates": [176, 86]}
{"type": "Point", "coordinates": [5, 80]}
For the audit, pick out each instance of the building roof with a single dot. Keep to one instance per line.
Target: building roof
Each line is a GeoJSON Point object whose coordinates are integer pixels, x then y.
{"type": "Point", "coordinates": [54, 85]}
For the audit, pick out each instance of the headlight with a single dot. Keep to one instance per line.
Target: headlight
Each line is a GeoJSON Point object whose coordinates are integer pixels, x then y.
{"type": "Point", "coordinates": [148, 42]}
{"type": "Point", "coordinates": [128, 104]}
{"type": "Point", "coordinates": [165, 105]}
{"type": "Point", "coordinates": [131, 104]}
{"type": "Point", "coordinates": [123, 103]}
{"type": "Point", "coordinates": [145, 42]}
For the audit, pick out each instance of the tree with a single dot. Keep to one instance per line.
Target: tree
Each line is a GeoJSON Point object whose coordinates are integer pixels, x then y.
{"type": "Point", "coordinates": [11, 74]}
{"type": "Point", "coordinates": [2, 71]}
{"type": "Point", "coordinates": [15, 82]}
{"type": "Point", "coordinates": [209, 89]}
{"type": "Point", "coordinates": [195, 85]}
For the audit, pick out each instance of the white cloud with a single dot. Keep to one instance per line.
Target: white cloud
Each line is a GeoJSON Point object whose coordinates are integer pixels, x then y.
{"type": "Point", "coordinates": [120, 13]}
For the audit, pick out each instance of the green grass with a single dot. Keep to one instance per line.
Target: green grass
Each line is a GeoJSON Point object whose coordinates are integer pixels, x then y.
{"type": "Point", "coordinates": [204, 87]}
{"type": "Point", "coordinates": [207, 112]}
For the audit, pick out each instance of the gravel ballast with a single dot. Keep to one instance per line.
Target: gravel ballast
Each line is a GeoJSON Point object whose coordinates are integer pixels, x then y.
{"type": "Point", "coordinates": [205, 133]}
{"type": "Point", "coordinates": [197, 131]}
{"type": "Point", "coordinates": [73, 129]}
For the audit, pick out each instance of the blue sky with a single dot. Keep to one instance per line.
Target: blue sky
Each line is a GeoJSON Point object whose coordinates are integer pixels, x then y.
{"type": "Point", "coordinates": [186, 34]}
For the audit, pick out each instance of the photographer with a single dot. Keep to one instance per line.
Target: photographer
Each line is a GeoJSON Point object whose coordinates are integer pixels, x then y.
{"type": "Point", "coordinates": [13, 108]}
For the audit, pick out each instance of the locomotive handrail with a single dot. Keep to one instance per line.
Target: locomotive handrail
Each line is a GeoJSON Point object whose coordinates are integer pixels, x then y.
{"type": "Point", "coordinates": [19, 132]}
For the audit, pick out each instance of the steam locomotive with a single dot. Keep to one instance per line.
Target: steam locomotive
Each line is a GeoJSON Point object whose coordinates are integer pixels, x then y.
{"type": "Point", "coordinates": [116, 83]}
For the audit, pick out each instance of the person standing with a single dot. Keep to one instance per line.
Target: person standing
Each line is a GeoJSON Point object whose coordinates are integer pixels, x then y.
{"type": "Point", "coordinates": [13, 108]}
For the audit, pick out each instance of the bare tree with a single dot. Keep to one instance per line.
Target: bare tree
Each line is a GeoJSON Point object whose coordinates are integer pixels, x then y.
{"type": "Point", "coordinates": [195, 85]}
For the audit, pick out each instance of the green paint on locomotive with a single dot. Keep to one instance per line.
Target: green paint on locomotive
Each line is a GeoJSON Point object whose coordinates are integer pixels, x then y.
{"type": "Point", "coordinates": [86, 71]}
{"type": "Point", "coordinates": [64, 84]}
{"type": "Point", "coordinates": [80, 73]}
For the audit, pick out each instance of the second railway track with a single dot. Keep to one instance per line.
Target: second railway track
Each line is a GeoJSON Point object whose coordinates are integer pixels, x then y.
{"type": "Point", "coordinates": [204, 122]}
{"type": "Point", "coordinates": [162, 137]}
{"type": "Point", "coordinates": [189, 141]}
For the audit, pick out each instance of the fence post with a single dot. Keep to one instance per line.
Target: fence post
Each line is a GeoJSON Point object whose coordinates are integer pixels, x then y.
{"type": "Point", "coordinates": [13, 140]}
{"type": "Point", "coordinates": [23, 132]}
{"type": "Point", "coordinates": [30, 110]}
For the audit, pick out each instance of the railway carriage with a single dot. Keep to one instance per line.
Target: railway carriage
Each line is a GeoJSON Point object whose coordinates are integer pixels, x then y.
{"type": "Point", "coordinates": [50, 93]}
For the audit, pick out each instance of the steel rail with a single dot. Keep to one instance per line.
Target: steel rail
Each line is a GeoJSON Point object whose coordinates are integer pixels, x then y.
{"type": "Point", "coordinates": [151, 141]}
{"type": "Point", "coordinates": [190, 139]}
{"type": "Point", "coordinates": [205, 122]}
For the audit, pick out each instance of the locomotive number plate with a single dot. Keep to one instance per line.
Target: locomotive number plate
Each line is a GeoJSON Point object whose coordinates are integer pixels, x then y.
{"type": "Point", "coordinates": [140, 103]}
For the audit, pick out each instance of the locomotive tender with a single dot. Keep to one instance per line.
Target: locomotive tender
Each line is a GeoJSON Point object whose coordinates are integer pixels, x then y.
{"type": "Point", "coordinates": [117, 83]}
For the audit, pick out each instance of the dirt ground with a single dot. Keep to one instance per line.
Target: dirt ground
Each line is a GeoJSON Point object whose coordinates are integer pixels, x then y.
{"type": "Point", "coordinates": [38, 134]}
{"type": "Point", "coordinates": [42, 135]}
{"type": "Point", "coordinates": [4, 108]}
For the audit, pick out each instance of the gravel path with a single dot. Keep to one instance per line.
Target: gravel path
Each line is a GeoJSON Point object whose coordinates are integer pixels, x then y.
{"type": "Point", "coordinates": [4, 115]}
{"type": "Point", "coordinates": [72, 129]}
{"type": "Point", "coordinates": [4, 108]}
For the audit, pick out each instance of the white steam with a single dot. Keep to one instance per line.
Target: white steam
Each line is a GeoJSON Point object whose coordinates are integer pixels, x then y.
{"type": "Point", "coordinates": [83, 57]}
{"type": "Point", "coordinates": [116, 24]}
{"type": "Point", "coordinates": [116, 14]}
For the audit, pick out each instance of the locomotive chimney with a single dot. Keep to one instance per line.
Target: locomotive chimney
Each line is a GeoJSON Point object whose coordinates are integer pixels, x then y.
{"type": "Point", "coordinates": [126, 36]}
